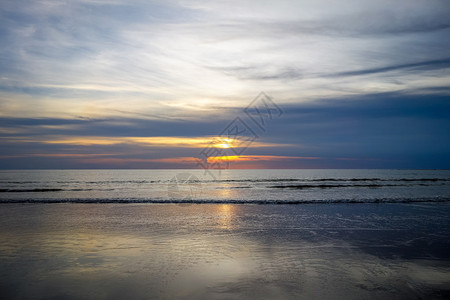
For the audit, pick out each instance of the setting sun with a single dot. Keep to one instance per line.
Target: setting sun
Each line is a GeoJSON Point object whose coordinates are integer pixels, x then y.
{"type": "Point", "coordinates": [224, 143]}
{"type": "Point", "coordinates": [224, 146]}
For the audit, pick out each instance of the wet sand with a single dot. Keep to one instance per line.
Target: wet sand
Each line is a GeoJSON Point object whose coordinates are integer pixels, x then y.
{"type": "Point", "coordinates": [223, 251]}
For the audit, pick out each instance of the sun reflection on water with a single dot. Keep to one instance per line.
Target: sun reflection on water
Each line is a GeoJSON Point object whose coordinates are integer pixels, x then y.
{"type": "Point", "coordinates": [226, 216]}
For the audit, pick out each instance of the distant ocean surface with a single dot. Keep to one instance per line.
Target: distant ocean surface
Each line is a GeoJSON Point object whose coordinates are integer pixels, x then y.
{"type": "Point", "coordinates": [226, 186]}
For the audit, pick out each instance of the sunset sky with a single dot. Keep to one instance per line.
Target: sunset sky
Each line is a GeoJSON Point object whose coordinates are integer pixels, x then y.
{"type": "Point", "coordinates": [151, 84]}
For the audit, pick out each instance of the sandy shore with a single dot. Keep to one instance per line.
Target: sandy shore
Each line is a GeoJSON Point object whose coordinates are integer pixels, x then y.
{"type": "Point", "coordinates": [222, 251]}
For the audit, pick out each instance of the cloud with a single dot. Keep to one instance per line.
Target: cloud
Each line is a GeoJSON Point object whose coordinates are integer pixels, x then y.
{"type": "Point", "coordinates": [417, 66]}
{"type": "Point", "coordinates": [159, 141]}
{"type": "Point", "coordinates": [149, 53]}
{"type": "Point", "coordinates": [363, 80]}
{"type": "Point", "coordinates": [391, 130]}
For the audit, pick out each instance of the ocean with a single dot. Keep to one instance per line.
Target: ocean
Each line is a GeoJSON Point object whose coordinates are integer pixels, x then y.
{"type": "Point", "coordinates": [240, 234]}
{"type": "Point", "coordinates": [224, 186]}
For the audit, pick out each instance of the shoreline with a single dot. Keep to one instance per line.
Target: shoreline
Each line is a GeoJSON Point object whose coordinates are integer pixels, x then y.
{"type": "Point", "coordinates": [217, 251]}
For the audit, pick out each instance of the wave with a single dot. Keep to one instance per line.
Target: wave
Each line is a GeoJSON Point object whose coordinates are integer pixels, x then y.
{"type": "Point", "coordinates": [227, 201]}
{"type": "Point", "coordinates": [328, 186]}
{"type": "Point", "coordinates": [335, 180]}
{"type": "Point", "coordinates": [86, 182]}
{"type": "Point", "coordinates": [333, 184]}
{"type": "Point", "coordinates": [29, 190]}
{"type": "Point", "coordinates": [44, 190]}
{"type": "Point", "coordinates": [245, 180]}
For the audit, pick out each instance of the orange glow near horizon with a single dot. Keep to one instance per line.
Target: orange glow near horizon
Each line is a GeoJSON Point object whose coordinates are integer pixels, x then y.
{"type": "Point", "coordinates": [256, 158]}
{"type": "Point", "coordinates": [241, 162]}
{"type": "Point", "coordinates": [150, 141]}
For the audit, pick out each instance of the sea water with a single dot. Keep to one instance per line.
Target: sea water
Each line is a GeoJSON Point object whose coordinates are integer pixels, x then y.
{"type": "Point", "coordinates": [339, 241]}
{"type": "Point", "coordinates": [225, 186]}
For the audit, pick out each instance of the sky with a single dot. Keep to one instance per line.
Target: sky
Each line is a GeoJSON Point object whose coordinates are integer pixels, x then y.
{"type": "Point", "coordinates": [157, 84]}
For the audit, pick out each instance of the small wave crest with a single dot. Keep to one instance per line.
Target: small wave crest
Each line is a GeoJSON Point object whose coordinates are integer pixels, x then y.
{"type": "Point", "coordinates": [227, 201]}
{"type": "Point", "coordinates": [37, 190]}
{"type": "Point", "coordinates": [41, 190]}
{"type": "Point", "coordinates": [329, 186]}
{"type": "Point", "coordinates": [336, 180]}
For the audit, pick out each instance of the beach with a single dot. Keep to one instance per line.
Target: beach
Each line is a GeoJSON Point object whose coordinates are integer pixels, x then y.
{"type": "Point", "coordinates": [224, 150]}
{"type": "Point", "coordinates": [225, 251]}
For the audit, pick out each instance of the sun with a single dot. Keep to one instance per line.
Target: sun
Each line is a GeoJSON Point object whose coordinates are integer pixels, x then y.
{"type": "Point", "coordinates": [224, 143]}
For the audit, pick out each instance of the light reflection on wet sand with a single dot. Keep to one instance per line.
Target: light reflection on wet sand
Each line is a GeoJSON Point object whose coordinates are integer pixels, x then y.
{"type": "Point", "coordinates": [224, 251]}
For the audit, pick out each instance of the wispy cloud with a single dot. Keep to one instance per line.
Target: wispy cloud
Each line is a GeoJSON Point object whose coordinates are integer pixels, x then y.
{"type": "Point", "coordinates": [148, 53]}
{"type": "Point", "coordinates": [416, 66]}
{"type": "Point", "coordinates": [120, 76]}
